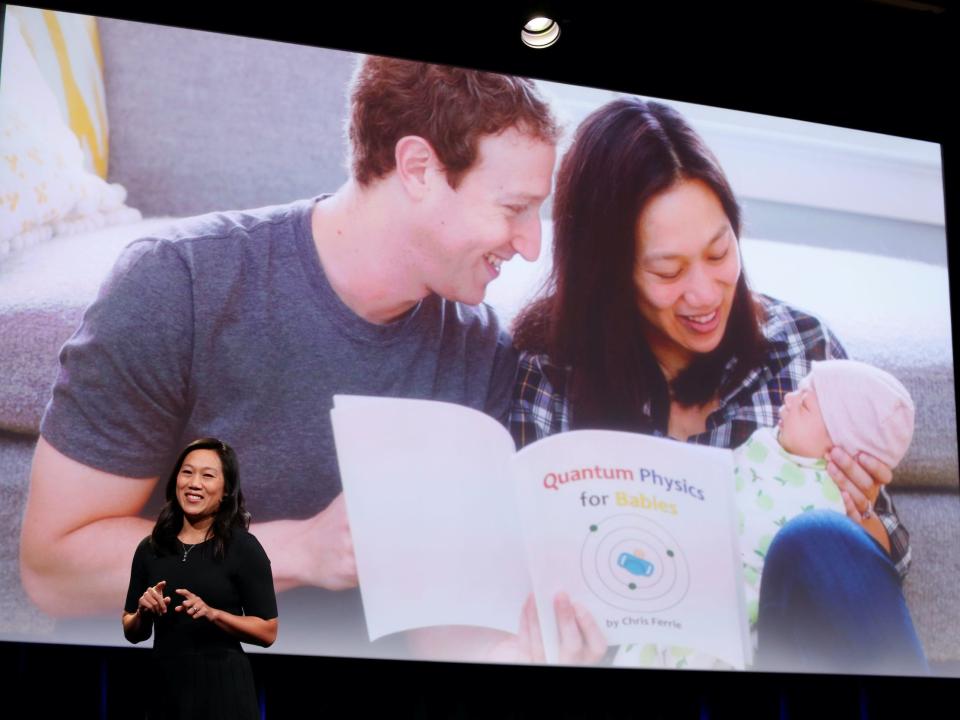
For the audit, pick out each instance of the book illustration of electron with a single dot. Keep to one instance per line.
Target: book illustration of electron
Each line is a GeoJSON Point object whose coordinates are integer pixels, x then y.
{"type": "Point", "coordinates": [634, 564]}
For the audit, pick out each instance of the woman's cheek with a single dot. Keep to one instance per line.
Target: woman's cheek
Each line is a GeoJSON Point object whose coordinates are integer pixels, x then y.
{"type": "Point", "coordinates": [662, 296]}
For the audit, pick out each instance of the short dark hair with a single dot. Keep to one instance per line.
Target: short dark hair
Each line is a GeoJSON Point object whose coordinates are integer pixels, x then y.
{"type": "Point", "coordinates": [231, 514]}
{"type": "Point", "coordinates": [451, 108]}
{"type": "Point", "coordinates": [587, 320]}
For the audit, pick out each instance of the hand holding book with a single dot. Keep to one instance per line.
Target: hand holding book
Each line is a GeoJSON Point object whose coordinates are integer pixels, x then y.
{"type": "Point", "coordinates": [618, 537]}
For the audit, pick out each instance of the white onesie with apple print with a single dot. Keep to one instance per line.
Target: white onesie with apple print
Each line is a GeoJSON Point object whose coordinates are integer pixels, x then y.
{"type": "Point", "coordinates": [773, 487]}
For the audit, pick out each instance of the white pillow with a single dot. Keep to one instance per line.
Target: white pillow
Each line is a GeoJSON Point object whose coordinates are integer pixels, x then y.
{"type": "Point", "coordinates": [44, 188]}
{"type": "Point", "coordinates": [66, 48]}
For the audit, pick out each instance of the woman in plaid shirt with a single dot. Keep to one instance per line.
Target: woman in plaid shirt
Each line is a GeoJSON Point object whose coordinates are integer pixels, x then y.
{"type": "Point", "coordinates": [649, 325]}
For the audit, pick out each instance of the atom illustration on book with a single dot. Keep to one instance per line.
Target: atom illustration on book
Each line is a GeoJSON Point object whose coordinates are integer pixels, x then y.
{"type": "Point", "coordinates": [634, 564]}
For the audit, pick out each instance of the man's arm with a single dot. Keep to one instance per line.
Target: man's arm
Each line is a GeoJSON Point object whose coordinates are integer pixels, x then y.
{"type": "Point", "coordinates": [80, 531]}
{"type": "Point", "coordinates": [317, 551]}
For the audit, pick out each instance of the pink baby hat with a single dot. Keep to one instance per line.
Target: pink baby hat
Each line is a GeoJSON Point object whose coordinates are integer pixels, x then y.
{"type": "Point", "coordinates": [864, 408]}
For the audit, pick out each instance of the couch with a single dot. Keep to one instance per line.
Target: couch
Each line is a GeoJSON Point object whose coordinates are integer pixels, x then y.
{"type": "Point", "coordinates": [201, 122]}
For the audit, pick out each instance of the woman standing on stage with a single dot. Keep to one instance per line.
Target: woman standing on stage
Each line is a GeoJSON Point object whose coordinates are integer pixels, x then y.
{"type": "Point", "coordinates": [203, 582]}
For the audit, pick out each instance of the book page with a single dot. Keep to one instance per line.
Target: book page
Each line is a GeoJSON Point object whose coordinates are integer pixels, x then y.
{"type": "Point", "coordinates": [641, 532]}
{"type": "Point", "coordinates": [432, 511]}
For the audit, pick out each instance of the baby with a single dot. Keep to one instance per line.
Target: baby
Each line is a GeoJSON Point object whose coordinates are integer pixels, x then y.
{"type": "Point", "coordinates": [782, 472]}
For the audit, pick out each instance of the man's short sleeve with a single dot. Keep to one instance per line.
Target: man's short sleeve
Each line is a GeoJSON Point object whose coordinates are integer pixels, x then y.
{"type": "Point", "coordinates": [119, 401]}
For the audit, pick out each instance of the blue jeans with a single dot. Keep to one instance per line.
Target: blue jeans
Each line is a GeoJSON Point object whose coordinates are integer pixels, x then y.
{"type": "Point", "coordinates": [830, 601]}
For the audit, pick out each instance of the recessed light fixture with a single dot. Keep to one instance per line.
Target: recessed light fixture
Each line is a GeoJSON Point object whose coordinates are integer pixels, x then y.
{"type": "Point", "coordinates": [540, 32]}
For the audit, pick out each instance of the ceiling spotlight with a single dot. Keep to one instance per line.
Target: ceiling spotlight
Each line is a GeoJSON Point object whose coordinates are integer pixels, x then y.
{"type": "Point", "coordinates": [540, 32]}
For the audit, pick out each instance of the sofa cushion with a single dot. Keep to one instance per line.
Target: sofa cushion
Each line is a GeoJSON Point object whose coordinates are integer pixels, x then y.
{"type": "Point", "coordinates": [43, 293]}
{"type": "Point", "coordinates": [932, 587]}
{"type": "Point", "coordinates": [222, 122]}
{"type": "Point", "coordinates": [888, 312]}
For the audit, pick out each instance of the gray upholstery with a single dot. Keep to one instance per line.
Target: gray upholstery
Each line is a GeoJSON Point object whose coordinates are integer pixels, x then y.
{"type": "Point", "coordinates": [932, 587]}
{"type": "Point", "coordinates": [43, 293]}
{"type": "Point", "coordinates": [889, 312]}
{"type": "Point", "coordinates": [220, 122]}
{"type": "Point", "coordinates": [17, 614]}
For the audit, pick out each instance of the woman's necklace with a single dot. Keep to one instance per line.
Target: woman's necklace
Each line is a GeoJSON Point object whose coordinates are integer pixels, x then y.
{"type": "Point", "coordinates": [186, 550]}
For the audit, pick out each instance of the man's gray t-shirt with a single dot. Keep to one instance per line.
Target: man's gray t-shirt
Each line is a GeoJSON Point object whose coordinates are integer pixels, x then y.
{"type": "Point", "coordinates": [228, 327]}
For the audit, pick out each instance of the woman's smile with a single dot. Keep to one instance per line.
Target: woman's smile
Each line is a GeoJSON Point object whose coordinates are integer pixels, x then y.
{"type": "Point", "coordinates": [703, 323]}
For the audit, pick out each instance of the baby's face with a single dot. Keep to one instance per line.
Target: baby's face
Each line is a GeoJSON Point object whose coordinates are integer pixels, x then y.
{"type": "Point", "coordinates": [802, 430]}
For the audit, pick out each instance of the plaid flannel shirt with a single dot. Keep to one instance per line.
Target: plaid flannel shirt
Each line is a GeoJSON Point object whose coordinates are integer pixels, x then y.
{"type": "Point", "coordinates": [795, 340]}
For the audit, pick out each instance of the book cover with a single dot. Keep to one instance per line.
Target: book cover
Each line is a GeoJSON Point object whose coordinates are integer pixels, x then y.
{"type": "Point", "coordinates": [452, 526]}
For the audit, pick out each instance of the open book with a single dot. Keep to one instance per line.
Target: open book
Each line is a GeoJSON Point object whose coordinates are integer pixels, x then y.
{"type": "Point", "coordinates": [453, 526]}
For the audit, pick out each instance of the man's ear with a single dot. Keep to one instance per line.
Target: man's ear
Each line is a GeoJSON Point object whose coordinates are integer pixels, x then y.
{"type": "Point", "coordinates": [418, 167]}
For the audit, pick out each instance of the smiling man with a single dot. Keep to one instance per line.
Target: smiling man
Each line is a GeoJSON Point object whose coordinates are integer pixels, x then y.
{"type": "Point", "coordinates": [244, 325]}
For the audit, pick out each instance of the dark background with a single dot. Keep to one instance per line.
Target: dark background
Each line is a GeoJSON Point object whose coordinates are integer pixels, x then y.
{"type": "Point", "coordinates": [876, 65]}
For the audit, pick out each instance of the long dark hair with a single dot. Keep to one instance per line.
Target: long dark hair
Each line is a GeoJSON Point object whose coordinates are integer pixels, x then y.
{"type": "Point", "coordinates": [231, 513]}
{"type": "Point", "coordinates": [586, 319]}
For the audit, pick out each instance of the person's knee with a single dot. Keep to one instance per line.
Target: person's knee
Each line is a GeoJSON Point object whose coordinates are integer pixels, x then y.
{"type": "Point", "coordinates": [815, 533]}
{"type": "Point", "coordinates": [815, 544]}
{"type": "Point", "coordinates": [823, 576]}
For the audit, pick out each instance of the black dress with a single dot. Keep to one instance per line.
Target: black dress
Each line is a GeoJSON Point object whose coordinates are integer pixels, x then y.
{"type": "Point", "coordinates": [200, 671]}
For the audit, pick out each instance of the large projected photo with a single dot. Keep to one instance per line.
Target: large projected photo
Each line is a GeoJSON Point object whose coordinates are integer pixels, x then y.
{"type": "Point", "coordinates": [400, 292]}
